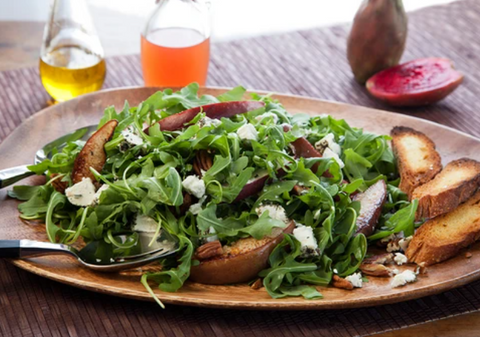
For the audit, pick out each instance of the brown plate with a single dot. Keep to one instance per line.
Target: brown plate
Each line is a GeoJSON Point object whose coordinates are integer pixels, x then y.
{"type": "Point", "coordinates": [19, 148]}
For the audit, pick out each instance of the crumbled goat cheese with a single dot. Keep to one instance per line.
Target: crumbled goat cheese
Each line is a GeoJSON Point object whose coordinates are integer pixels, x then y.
{"type": "Point", "coordinates": [275, 212]}
{"type": "Point", "coordinates": [211, 238]}
{"type": "Point", "coordinates": [304, 234]}
{"type": "Point", "coordinates": [207, 121]}
{"type": "Point", "coordinates": [102, 188]}
{"type": "Point", "coordinates": [328, 142]}
{"type": "Point", "coordinates": [266, 115]}
{"type": "Point", "coordinates": [131, 136]}
{"type": "Point", "coordinates": [404, 243]}
{"type": "Point", "coordinates": [145, 224]}
{"type": "Point", "coordinates": [194, 186]}
{"type": "Point", "coordinates": [403, 278]}
{"type": "Point", "coordinates": [400, 259]}
{"type": "Point", "coordinates": [197, 207]}
{"type": "Point", "coordinates": [395, 271]}
{"type": "Point", "coordinates": [247, 132]}
{"type": "Point", "coordinates": [328, 153]}
{"type": "Point", "coordinates": [355, 279]}
{"type": "Point", "coordinates": [82, 193]}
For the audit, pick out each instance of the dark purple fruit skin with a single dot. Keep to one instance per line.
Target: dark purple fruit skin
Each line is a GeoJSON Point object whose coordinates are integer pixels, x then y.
{"type": "Point", "coordinates": [377, 39]}
{"type": "Point", "coordinates": [214, 111]}
{"type": "Point", "coordinates": [416, 83]}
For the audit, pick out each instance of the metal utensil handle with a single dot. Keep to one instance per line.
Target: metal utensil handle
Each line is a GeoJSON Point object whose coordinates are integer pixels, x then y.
{"type": "Point", "coordinates": [12, 175]}
{"type": "Point", "coordinates": [27, 248]}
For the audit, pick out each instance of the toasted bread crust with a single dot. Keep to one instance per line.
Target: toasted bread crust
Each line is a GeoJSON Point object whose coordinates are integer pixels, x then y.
{"type": "Point", "coordinates": [410, 177]}
{"type": "Point", "coordinates": [435, 200]}
{"type": "Point", "coordinates": [93, 153]}
{"type": "Point", "coordinates": [443, 237]}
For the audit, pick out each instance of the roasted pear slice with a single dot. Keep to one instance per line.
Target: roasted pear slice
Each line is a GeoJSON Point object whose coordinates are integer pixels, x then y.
{"type": "Point", "coordinates": [240, 262]}
{"type": "Point", "coordinates": [93, 153]}
{"type": "Point", "coordinates": [214, 111]}
{"type": "Point", "coordinates": [371, 203]}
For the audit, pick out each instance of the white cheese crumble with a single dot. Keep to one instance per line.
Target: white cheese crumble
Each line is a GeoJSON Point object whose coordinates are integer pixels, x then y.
{"type": "Point", "coordinates": [304, 234]}
{"type": "Point", "coordinates": [328, 142]}
{"type": "Point", "coordinates": [211, 238]}
{"type": "Point", "coordinates": [400, 259]}
{"type": "Point", "coordinates": [260, 118]}
{"type": "Point", "coordinates": [355, 279]}
{"type": "Point", "coordinates": [197, 207]}
{"type": "Point", "coordinates": [275, 212]}
{"type": "Point", "coordinates": [328, 153]}
{"type": "Point", "coordinates": [130, 135]}
{"type": "Point", "coordinates": [404, 243]}
{"type": "Point", "coordinates": [403, 278]}
{"type": "Point", "coordinates": [102, 188]}
{"type": "Point", "coordinates": [194, 186]}
{"type": "Point", "coordinates": [82, 193]}
{"type": "Point", "coordinates": [247, 132]}
{"type": "Point", "coordinates": [207, 121]}
{"type": "Point", "coordinates": [145, 224]}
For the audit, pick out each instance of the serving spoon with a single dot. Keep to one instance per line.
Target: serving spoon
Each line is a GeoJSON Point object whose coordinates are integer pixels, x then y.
{"type": "Point", "coordinates": [165, 244]}
{"type": "Point", "coordinates": [12, 175]}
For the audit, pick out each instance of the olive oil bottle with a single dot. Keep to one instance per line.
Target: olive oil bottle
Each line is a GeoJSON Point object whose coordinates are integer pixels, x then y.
{"type": "Point", "coordinates": [71, 60]}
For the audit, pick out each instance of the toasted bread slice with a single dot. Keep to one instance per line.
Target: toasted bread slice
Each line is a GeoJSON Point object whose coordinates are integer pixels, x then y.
{"type": "Point", "coordinates": [418, 161]}
{"type": "Point", "coordinates": [455, 184]}
{"type": "Point", "coordinates": [443, 237]}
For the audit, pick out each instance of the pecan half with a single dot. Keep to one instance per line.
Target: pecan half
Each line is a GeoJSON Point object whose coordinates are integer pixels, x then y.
{"type": "Point", "coordinates": [379, 259]}
{"type": "Point", "coordinates": [373, 269]}
{"type": "Point", "coordinates": [58, 184]}
{"type": "Point", "coordinates": [208, 250]}
{"type": "Point", "coordinates": [203, 162]}
{"type": "Point", "coordinates": [257, 284]}
{"type": "Point", "coordinates": [339, 282]}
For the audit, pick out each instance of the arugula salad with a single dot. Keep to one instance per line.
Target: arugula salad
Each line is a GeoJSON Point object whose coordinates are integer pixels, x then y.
{"type": "Point", "coordinates": [196, 183]}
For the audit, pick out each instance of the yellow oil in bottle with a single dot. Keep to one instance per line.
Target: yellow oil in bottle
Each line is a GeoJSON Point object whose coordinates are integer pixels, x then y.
{"type": "Point", "coordinates": [70, 71]}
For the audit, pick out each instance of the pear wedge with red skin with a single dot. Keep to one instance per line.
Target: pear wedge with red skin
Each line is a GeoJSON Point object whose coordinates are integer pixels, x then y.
{"type": "Point", "coordinates": [93, 153]}
{"type": "Point", "coordinates": [371, 201]}
{"type": "Point", "coordinates": [240, 262]}
{"type": "Point", "coordinates": [214, 111]}
{"type": "Point", "coordinates": [415, 83]}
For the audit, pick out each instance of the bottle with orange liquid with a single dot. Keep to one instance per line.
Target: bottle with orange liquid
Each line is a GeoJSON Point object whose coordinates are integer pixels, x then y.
{"type": "Point", "coordinates": [175, 47]}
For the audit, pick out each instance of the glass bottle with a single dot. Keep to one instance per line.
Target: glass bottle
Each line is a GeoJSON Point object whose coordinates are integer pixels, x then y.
{"type": "Point", "coordinates": [175, 47]}
{"type": "Point", "coordinates": [71, 59]}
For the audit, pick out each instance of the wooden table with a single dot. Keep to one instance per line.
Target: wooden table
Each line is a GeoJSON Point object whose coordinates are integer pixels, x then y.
{"type": "Point", "coordinates": [19, 47]}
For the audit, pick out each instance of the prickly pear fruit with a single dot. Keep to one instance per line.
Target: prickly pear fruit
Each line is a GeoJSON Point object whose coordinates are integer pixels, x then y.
{"type": "Point", "coordinates": [377, 38]}
{"type": "Point", "coordinates": [415, 83]}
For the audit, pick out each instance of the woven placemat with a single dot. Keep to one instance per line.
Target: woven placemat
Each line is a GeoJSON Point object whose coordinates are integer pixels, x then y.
{"type": "Point", "coordinates": [310, 63]}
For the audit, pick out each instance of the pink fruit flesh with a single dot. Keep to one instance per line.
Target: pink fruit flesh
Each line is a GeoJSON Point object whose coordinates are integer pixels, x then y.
{"type": "Point", "coordinates": [415, 83]}
{"type": "Point", "coordinates": [215, 111]}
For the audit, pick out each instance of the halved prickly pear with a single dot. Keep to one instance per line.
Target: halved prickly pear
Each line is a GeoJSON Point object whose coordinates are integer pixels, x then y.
{"type": "Point", "coordinates": [415, 83]}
